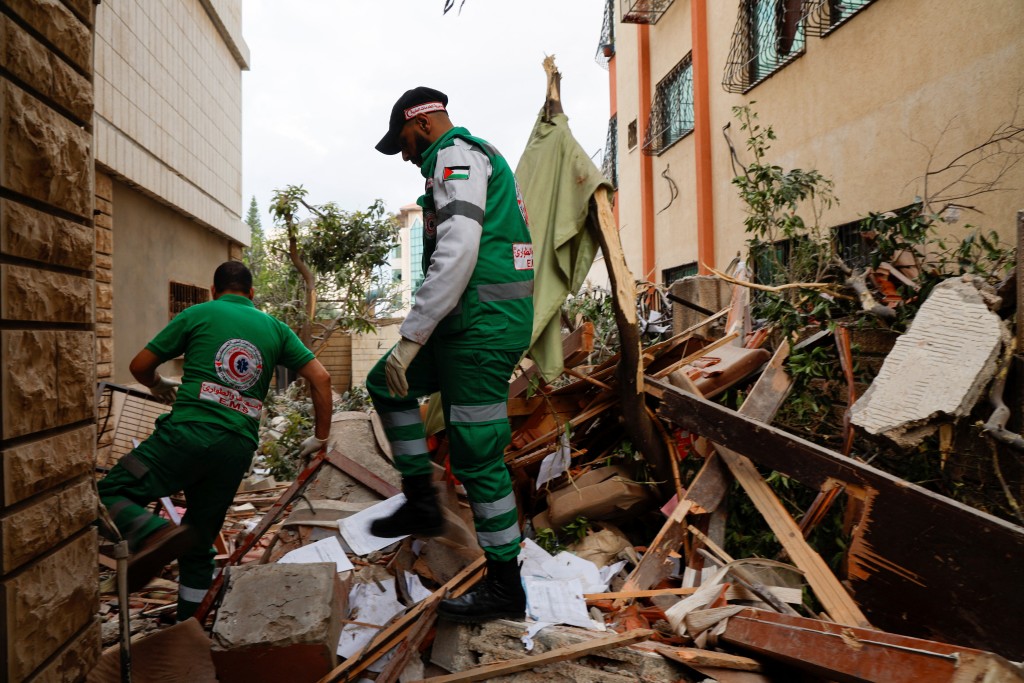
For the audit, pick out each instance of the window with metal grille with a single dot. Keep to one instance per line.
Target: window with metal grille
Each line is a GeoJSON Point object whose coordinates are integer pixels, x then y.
{"type": "Point", "coordinates": [825, 16]}
{"type": "Point", "coordinates": [850, 244]}
{"type": "Point", "coordinates": [610, 164]}
{"type": "Point", "coordinates": [670, 275]}
{"type": "Point", "coordinates": [631, 134]}
{"type": "Point", "coordinates": [769, 34]}
{"type": "Point", "coordinates": [606, 44]}
{"type": "Point", "coordinates": [182, 296]}
{"type": "Point", "coordinates": [672, 109]}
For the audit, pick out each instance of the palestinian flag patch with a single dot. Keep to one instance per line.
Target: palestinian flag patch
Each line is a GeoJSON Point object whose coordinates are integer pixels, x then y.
{"type": "Point", "coordinates": [456, 173]}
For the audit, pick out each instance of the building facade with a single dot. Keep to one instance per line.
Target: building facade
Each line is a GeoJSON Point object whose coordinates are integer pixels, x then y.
{"type": "Point", "coordinates": [407, 256]}
{"type": "Point", "coordinates": [168, 152]}
{"type": "Point", "coordinates": [871, 93]}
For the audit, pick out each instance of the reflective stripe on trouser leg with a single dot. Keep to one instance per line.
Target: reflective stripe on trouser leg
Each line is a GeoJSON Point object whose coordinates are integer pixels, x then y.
{"type": "Point", "coordinates": [124, 492]}
{"type": "Point", "coordinates": [401, 416]}
{"type": "Point", "coordinates": [189, 600]}
{"type": "Point", "coordinates": [478, 436]}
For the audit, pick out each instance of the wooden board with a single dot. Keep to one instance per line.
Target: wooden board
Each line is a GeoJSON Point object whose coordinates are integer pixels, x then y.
{"type": "Point", "coordinates": [920, 563]}
{"type": "Point", "coordinates": [692, 656]}
{"type": "Point", "coordinates": [561, 654]}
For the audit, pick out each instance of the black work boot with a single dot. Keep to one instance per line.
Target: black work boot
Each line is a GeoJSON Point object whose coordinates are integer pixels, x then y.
{"type": "Point", "coordinates": [419, 516]}
{"type": "Point", "coordinates": [499, 596]}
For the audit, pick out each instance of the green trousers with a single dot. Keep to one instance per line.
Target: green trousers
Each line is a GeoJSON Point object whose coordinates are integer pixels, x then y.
{"type": "Point", "coordinates": [474, 392]}
{"type": "Point", "coordinates": [207, 463]}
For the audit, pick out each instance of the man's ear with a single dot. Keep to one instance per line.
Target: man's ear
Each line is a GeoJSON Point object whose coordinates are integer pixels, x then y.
{"type": "Point", "coordinates": [423, 121]}
{"type": "Point", "coordinates": [252, 293]}
{"type": "Point", "coordinates": [213, 292]}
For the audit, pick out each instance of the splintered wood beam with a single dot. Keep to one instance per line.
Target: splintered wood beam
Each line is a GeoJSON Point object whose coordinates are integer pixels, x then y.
{"type": "Point", "coordinates": [405, 625]}
{"type": "Point", "coordinates": [692, 656]}
{"type": "Point", "coordinates": [561, 654]}
{"type": "Point", "coordinates": [638, 424]}
{"type": "Point", "coordinates": [844, 653]}
{"type": "Point", "coordinates": [906, 543]}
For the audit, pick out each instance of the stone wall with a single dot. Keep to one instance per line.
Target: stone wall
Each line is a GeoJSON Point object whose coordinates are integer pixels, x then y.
{"type": "Point", "coordinates": [367, 349]}
{"type": "Point", "coordinates": [104, 220]}
{"type": "Point", "coordinates": [336, 356]}
{"type": "Point", "coordinates": [48, 342]}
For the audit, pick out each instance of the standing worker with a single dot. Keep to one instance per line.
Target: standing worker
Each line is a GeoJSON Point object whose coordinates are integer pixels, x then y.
{"type": "Point", "coordinates": [469, 327]}
{"type": "Point", "coordinates": [205, 444]}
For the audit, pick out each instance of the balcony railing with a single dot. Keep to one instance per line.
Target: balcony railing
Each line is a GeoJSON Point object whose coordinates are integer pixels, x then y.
{"type": "Point", "coordinates": [644, 11]}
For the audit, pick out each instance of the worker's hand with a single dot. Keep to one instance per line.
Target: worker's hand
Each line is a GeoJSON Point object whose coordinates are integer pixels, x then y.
{"type": "Point", "coordinates": [398, 362]}
{"type": "Point", "coordinates": [165, 389]}
{"type": "Point", "coordinates": [310, 446]}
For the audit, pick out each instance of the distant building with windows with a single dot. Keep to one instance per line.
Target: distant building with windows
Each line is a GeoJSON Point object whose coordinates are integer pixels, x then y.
{"type": "Point", "coordinates": [863, 91]}
{"type": "Point", "coordinates": [407, 256]}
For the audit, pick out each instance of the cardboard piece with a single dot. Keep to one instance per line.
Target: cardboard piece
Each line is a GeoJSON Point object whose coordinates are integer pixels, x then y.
{"type": "Point", "coordinates": [605, 493]}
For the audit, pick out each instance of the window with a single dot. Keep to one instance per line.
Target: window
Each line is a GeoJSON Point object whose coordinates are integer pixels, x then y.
{"type": "Point", "coordinates": [182, 296]}
{"type": "Point", "coordinates": [631, 134]}
{"type": "Point", "coordinates": [769, 34]}
{"type": "Point", "coordinates": [396, 251]}
{"type": "Point", "coordinates": [825, 16]}
{"type": "Point", "coordinates": [670, 275]}
{"type": "Point", "coordinates": [850, 244]}
{"type": "Point", "coordinates": [672, 109]}
{"type": "Point", "coordinates": [610, 165]}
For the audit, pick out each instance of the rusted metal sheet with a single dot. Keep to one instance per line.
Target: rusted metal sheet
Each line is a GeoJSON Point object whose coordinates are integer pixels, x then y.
{"type": "Point", "coordinates": [858, 655]}
{"type": "Point", "coordinates": [919, 563]}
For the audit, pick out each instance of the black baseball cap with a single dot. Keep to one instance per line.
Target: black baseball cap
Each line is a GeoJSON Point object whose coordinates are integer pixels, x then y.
{"type": "Point", "coordinates": [419, 100]}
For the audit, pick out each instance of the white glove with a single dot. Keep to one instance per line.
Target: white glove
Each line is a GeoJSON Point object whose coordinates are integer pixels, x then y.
{"type": "Point", "coordinates": [310, 445]}
{"type": "Point", "coordinates": [165, 389]}
{"type": "Point", "coordinates": [398, 362]}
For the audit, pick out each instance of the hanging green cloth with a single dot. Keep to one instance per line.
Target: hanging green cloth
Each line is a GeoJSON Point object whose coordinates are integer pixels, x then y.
{"type": "Point", "coordinates": [557, 180]}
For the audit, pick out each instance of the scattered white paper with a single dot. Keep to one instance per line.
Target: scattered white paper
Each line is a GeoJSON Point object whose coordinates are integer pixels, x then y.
{"type": "Point", "coordinates": [555, 464]}
{"type": "Point", "coordinates": [557, 601]}
{"type": "Point", "coordinates": [416, 589]}
{"type": "Point", "coordinates": [372, 608]}
{"type": "Point", "coordinates": [356, 529]}
{"type": "Point", "coordinates": [327, 550]}
{"type": "Point", "coordinates": [565, 565]}
{"type": "Point", "coordinates": [533, 558]}
{"type": "Point", "coordinates": [532, 630]}
{"type": "Point", "coordinates": [609, 572]}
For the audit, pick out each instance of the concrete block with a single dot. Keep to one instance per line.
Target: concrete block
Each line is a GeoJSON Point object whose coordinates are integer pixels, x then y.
{"type": "Point", "coordinates": [46, 604]}
{"type": "Point", "coordinates": [30, 294]}
{"type": "Point", "coordinates": [279, 622]}
{"type": "Point", "coordinates": [76, 660]}
{"type": "Point", "coordinates": [44, 155]}
{"type": "Point", "coordinates": [33, 467]}
{"type": "Point", "coordinates": [42, 70]}
{"type": "Point", "coordinates": [502, 640]}
{"type": "Point", "coordinates": [937, 370]}
{"type": "Point", "coordinates": [31, 234]}
{"type": "Point", "coordinates": [352, 434]}
{"type": "Point", "coordinates": [59, 26]}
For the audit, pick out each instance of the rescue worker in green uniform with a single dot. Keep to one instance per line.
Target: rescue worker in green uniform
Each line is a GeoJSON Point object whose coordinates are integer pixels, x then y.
{"type": "Point", "coordinates": [205, 444]}
{"type": "Point", "coordinates": [469, 327]}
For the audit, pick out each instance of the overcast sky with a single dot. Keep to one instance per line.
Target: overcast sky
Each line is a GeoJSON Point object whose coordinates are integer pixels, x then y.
{"type": "Point", "coordinates": [325, 73]}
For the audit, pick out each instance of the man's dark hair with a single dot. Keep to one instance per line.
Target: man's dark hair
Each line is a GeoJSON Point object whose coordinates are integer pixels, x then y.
{"type": "Point", "coordinates": [232, 276]}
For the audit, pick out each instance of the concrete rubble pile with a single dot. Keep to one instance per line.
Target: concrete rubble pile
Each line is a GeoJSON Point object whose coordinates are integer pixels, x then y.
{"type": "Point", "coordinates": [929, 589]}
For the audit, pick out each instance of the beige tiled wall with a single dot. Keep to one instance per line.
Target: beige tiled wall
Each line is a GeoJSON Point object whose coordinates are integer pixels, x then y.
{"type": "Point", "coordinates": [168, 103]}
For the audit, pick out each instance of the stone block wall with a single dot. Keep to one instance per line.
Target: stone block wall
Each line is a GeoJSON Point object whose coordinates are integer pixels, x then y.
{"type": "Point", "coordinates": [104, 269]}
{"type": "Point", "coordinates": [336, 356]}
{"type": "Point", "coordinates": [48, 342]}
{"type": "Point", "coordinates": [367, 349]}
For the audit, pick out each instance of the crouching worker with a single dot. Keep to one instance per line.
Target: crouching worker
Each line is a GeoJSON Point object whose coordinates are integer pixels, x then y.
{"type": "Point", "coordinates": [204, 446]}
{"type": "Point", "coordinates": [469, 327]}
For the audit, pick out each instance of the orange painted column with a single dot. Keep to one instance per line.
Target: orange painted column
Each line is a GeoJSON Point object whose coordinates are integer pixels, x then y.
{"type": "Point", "coordinates": [702, 137]}
{"type": "Point", "coordinates": [646, 163]}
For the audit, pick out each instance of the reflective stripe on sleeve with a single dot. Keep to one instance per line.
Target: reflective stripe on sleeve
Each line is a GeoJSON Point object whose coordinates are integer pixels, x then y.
{"type": "Point", "coordinates": [485, 413]}
{"type": "Point", "coordinates": [459, 207]}
{"type": "Point", "coordinates": [503, 291]}
{"type": "Point", "coordinates": [189, 594]}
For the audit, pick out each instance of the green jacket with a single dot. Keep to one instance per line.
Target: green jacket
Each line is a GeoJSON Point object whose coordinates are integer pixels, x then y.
{"type": "Point", "coordinates": [477, 251]}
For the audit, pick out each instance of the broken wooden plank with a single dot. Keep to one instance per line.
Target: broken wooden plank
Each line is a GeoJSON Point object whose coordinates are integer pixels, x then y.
{"type": "Point", "coordinates": [841, 653]}
{"type": "Point", "coordinates": [630, 595]}
{"type": "Point", "coordinates": [910, 545]}
{"type": "Point", "coordinates": [692, 656]}
{"type": "Point", "coordinates": [562, 654]}
{"type": "Point", "coordinates": [362, 475]}
{"type": "Point", "coordinates": [409, 645]}
{"type": "Point", "coordinates": [551, 435]}
{"type": "Point", "coordinates": [576, 346]}
{"type": "Point", "coordinates": [400, 628]}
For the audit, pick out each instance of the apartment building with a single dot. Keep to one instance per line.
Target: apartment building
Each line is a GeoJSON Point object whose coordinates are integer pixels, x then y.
{"type": "Point", "coordinates": [871, 93]}
{"type": "Point", "coordinates": [168, 152]}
